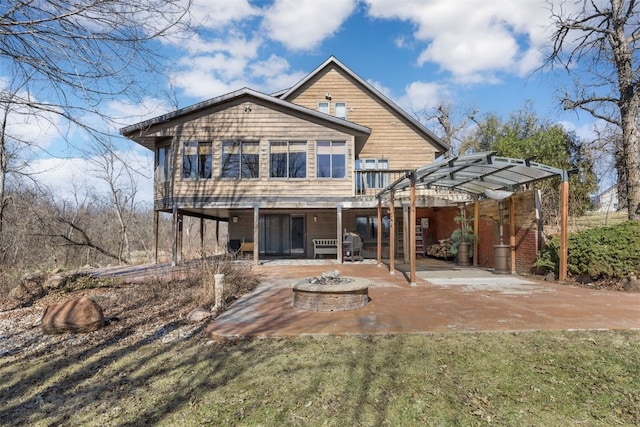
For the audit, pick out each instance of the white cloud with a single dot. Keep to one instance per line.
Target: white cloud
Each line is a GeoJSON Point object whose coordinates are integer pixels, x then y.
{"type": "Point", "coordinates": [474, 39]}
{"type": "Point", "coordinates": [420, 96]}
{"type": "Point", "coordinates": [75, 178]}
{"type": "Point", "coordinates": [301, 25]}
{"type": "Point", "coordinates": [219, 13]}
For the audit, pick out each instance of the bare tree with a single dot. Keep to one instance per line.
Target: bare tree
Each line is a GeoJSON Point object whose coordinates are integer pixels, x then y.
{"type": "Point", "coordinates": [451, 125]}
{"type": "Point", "coordinates": [604, 35]}
{"type": "Point", "coordinates": [121, 179]}
{"type": "Point", "coordinates": [61, 61]}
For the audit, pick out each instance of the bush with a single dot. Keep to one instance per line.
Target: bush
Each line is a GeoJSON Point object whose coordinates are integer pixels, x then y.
{"type": "Point", "coordinates": [603, 252]}
{"type": "Point", "coordinates": [238, 279]}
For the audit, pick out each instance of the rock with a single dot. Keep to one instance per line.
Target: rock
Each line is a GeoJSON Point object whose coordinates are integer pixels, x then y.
{"type": "Point", "coordinates": [29, 290]}
{"type": "Point", "coordinates": [56, 281]}
{"type": "Point", "coordinates": [197, 315]}
{"type": "Point", "coordinates": [550, 277]}
{"type": "Point", "coordinates": [630, 283]}
{"type": "Point", "coordinates": [78, 315]}
{"type": "Point", "coordinates": [583, 279]}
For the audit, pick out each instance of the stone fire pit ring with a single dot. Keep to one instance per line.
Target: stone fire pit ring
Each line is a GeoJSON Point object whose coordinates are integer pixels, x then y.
{"type": "Point", "coordinates": [331, 297]}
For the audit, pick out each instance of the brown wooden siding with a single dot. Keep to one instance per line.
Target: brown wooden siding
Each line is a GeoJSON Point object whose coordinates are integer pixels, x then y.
{"type": "Point", "coordinates": [264, 125]}
{"type": "Point", "coordinates": [391, 137]}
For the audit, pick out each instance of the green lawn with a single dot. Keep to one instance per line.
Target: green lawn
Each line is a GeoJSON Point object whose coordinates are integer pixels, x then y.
{"type": "Point", "coordinates": [457, 379]}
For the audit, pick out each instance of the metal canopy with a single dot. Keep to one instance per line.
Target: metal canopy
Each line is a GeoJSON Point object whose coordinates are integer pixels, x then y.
{"type": "Point", "coordinates": [474, 173]}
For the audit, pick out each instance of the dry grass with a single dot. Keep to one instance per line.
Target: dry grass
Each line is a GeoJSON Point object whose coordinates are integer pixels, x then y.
{"type": "Point", "coordinates": [535, 379]}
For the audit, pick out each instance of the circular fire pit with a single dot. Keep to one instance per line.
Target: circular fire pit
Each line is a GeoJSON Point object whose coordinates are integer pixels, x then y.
{"type": "Point", "coordinates": [350, 294]}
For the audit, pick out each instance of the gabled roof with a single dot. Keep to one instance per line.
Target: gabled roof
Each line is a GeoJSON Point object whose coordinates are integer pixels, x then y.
{"type": "Point", "coordinates": [356, 129]}
{"type": "Point", "coordinates": [419, 127]}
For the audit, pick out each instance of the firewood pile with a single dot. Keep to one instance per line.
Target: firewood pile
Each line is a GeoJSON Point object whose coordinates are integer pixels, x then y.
{"type": "Point", "coordinates": [442, 249]}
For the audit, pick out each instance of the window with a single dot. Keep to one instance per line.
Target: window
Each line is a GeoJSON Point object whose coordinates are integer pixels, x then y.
{"type": "Point", "coordinates": [288, 159]}
{"type": "Point", "coordinates": [371, 173]}
{"type": "Point", "coordinates": [331, 159]}
{"type": "Point", "coordinates": [367, 227]}
{"type": "Point", "coordinates": [197, 160]}
{"type": "Point", "coordinates": [240, 159]}
{"type": "Point", "coordinates": [163, 163]}
{"type": "Point", "coordinates": [341, 110]}
{"type": "Point", "coordinates": [323, 107]}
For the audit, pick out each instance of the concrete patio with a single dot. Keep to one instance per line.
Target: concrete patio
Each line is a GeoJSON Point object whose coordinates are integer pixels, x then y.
{"type": "Point", "coordinates": [445, 299]}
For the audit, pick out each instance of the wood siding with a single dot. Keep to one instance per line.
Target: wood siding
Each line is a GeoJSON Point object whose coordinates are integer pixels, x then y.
{"type": "Point", "coordinates": [391, 137]}
{"type": "Point", "coordinates": [261, 124]}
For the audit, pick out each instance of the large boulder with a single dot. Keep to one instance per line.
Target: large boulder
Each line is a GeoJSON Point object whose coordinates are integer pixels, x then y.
{"type": "Point", "coordinates": [630, 283]}
{"type": "Point", "coordinates": [76, 316]}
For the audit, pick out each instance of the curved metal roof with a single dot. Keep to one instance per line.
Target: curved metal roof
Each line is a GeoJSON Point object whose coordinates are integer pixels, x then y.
{"type": "Point", "coordinates": [475, 173]}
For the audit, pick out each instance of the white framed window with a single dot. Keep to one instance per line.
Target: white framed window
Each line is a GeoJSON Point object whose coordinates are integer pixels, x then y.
{"type": "Point", "coordinates": [288, 159]}
{"type": "Point", "coordinates": [341, 110]}
{"type": "Point", "coordinates": [240, 159]}
{"type": "Point", "coordinates": [197, 160]}
{"type": "Point", "coordinates": [163, 163]}
{"type": "Point", "coordinates": [331, 159]}
{"type": "Point", "coordinates": [323, 107]}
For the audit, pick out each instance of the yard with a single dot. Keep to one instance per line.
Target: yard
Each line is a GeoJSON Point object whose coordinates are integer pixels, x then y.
{"type": "Point", "coordinates": [152, 367]}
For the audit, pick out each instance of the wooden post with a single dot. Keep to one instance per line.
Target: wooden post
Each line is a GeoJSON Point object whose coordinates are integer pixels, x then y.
{"type": "Point", "coordinates": [405, 232]}
{"type": "Point", "coordinates": [476, 236]}
{"type": "Point", "coordinates": [392, 239]}
{"type": "Point", "coordinates": [174, 244]}
{"type": "Point", "coordinates": [180, 236]}
{"type": "Point", "coordinates": [256, 234]}
{"type": "Point", "coordinates": [202, 254]}
{"type": "Point", "coordinates": [564, 232]}
{"type": "Point", "coordinates": [379, 234]}
{"type": "Point", "coordinates": [412, 231]}
{"type": "Point", "coordinates": [156, 221]}
{"type": "Point", "coordinates": [339, 233]}
{"type": "Point", "coordinates": [512, 232]}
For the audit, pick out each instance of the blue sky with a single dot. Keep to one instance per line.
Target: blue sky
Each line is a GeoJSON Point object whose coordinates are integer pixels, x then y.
{"type": "Point", "coordinates": [470, 53]}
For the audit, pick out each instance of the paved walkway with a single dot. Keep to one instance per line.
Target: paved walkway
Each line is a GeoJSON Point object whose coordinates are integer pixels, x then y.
{"type": "Point", "coordinates": [445, 299]}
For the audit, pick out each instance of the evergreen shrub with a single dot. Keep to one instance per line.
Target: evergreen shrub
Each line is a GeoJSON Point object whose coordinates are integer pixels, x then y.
{"type": "Point", "coordinates": [602, 252]}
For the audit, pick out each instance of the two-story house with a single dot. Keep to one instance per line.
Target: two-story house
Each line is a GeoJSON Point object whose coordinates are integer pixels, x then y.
{"type": "Point", "coordinates": [286, 168]}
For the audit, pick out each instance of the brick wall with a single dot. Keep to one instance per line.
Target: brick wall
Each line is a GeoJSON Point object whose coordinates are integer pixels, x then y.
{"type": "Point", "coordinates": [441, 225]}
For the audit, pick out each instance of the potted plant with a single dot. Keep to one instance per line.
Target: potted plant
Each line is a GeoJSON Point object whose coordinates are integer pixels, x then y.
{"type": "Point", "coordinates": [462, 238]}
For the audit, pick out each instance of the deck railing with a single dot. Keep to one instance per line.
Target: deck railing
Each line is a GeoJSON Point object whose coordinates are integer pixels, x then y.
{"type": "Point", "coordinates": [371, 182]}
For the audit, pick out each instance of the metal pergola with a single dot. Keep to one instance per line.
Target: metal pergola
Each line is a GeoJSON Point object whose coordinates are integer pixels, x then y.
{"type": "Point", "coordinates": [472, 176]}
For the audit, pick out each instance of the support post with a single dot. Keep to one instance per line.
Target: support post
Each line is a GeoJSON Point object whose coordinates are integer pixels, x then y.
{"type": "Point", "coordinates": [405, 232]}
{"type": "Point", "coordinates": [564, 232]}
{"type": "Point", "coordinates": [156, 223]}
{"type": "Point", "coordinates": [339, 232]}
{"type": "Point", "coordinates": [256, 234]}
{"type": "Point", "coordinates": [392, 228]}
{"type": "Point", "coordinates": [379, 234]}
{"type": "Point", "coordinates": [174, 244]}
{"type": "Point", "coordinates": [180, 236]}
{"type": "Point", "coordinates": [476, 236]}
{"type": "Point", "coordinates": [202, 254]}
{"type": "Point", "coordinates": [412, 231]}
{"type": "Point", "coordinates": [512, 232]}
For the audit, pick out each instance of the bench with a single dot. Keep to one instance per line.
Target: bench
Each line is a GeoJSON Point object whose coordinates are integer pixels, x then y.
{"type": "Point", "coordinates": [325, 247]}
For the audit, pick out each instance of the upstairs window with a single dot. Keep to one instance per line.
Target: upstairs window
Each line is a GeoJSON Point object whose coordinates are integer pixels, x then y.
{"type": "Point", "coordinates": [341, 110]}
{"type": "Point", "coordinates": [163, 163]}
{"type": "Point", "coordinates": [331, 159]}
{"type": "Point", "coordinates": [288, 159]}
{"type": "Point", "coordinates": [197, 160]}
{"type": "Point", "coordinates": [323, 107]}
{"type": "Point", "coordinates": [240, 159]}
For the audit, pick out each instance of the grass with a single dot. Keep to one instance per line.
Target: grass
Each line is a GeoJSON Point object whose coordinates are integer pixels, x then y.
{"type": "Point", "coordinates": [504, 379]}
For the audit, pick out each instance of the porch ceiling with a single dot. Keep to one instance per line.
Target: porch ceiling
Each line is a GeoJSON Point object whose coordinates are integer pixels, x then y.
{"type": "Point", "coordinates": [474, 174]}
